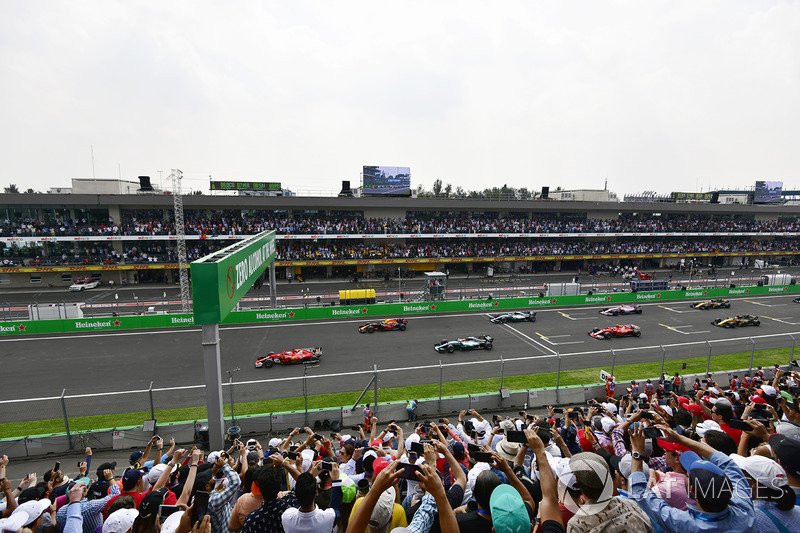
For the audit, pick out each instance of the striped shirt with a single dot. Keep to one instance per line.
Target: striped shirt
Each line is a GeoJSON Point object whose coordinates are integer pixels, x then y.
{"type": "Point", "coordinates": [219, 501]}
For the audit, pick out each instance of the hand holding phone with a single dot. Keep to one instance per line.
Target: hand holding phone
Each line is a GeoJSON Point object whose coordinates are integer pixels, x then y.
{"type": "Point", "coordinates": [199, 506]}
{"type": "Point", "coordinates": [516, 436]}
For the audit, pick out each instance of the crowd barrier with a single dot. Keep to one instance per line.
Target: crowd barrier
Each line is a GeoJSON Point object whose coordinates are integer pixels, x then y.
{"type": "Point", "coordinates": [30, 327]}
{"type": "Point", "coordinates": [125, 438]}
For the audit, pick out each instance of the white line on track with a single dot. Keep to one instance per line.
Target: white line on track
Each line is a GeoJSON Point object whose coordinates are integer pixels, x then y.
{"type": "Point", "coordinates": [763, 305]}
{"type": "Point", "coordinates": [676, 329]}
{"type": "Point", "coordinates": [676, 310]}
{"type": "Point", "coordinates": [783, 320]}
{"type": "Point", "coordinates": [532, 342]}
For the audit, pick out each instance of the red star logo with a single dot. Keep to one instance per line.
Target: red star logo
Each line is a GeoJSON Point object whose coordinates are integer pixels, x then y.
{"type": "Point", "coordinates": [117, 323]}
{"type": "Point", "coordinates": [608, 298]}
{"type": "Point", "coordinates": [291, 314]}
{"type": "Point", "coordinates": [705, 293]}
{"type": "Point", "coordinates": [364, 310]}
{"type": "Point", "coordinates": [433, 308]}
{"type": "Point", "coordinates": [495, 304]}
{"type": "Point", "coordinates": [747, 290]}
{"type": "Point", "coordinates": [22, 327]}
{"type": "Point", "coordinates": [658, 295]}
{"type": "Point", "coordinates": [554, 300]}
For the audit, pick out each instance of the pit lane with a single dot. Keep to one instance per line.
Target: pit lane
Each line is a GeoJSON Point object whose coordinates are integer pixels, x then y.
{"type": "Point", "coordinates": [110, 362]}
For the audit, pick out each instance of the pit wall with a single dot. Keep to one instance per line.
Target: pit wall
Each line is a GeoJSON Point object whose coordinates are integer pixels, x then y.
{"type": "Point", "coordinates": [31, 327]}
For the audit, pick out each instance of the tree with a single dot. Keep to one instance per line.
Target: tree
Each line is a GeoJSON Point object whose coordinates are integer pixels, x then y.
{"type": "Point", "coordinates": [31, 191]}
{"type": "Point", "coordinates": [448, 189]}
{"type": "Point", "coordinates": [437, 187]}
{"type": "Point", "coordinates": [197, 192]}
{"type": "Point", "coordinates": [11, 189]}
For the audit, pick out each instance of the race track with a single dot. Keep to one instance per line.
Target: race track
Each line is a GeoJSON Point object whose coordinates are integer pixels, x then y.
{"type": "Point", "coordinates": [111, 362]}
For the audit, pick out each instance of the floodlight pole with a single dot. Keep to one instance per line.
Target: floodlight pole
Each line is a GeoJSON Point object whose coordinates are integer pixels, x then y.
{"type": "Point", "coordinates": [213, 375]}
{"type": "Point", "coordinates": [273, 297]}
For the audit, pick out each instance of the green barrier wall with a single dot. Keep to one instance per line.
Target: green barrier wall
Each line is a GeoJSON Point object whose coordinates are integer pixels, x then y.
{"type": "Point", "coordinates": [27, 327]}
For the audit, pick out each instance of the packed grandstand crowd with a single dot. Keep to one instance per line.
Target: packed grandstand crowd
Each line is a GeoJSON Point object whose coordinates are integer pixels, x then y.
{"type": "Point", "coordinates": [669, 456]}
{"type": "Point", "coordinates": [239, 223]}
{"type": "Point", "coordinates": [79, 253]}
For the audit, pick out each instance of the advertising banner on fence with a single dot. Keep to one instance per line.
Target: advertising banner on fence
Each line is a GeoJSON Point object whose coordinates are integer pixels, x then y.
{"type": "Point", "coordinates": [356, 312]}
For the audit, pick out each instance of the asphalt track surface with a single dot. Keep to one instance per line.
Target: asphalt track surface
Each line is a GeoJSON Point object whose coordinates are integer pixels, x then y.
{"type": "Point", "coordinates": [89, 364]}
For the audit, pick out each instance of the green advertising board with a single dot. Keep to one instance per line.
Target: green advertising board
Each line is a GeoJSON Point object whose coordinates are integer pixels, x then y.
{"type": "Point", "coordinates": [221, 279]}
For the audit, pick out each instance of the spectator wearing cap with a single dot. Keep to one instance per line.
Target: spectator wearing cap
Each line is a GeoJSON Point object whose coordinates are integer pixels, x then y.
{"type": "Point", "coordinates": [717, 485]}
{"type": "Point", "coordinates": [220, 498]}
{"type": "Point", "coordinates": [787, 451]}
{"type": "Point", "coordinates": [601, 510]}
{"type": "Point", "coordinates": [91, 510]}
{"type": "Point", "coordinates": [773, 499]}
{"type": "Point", "coordinates": [671, 486]}
{"type": "Point", "coordinates": [120, 521]}
{"type": "Point", "coordinates": [148, 511]}
{"type": "Point", "coordinates": [386, 514]}
{"type": "Point", "coordinates": [268, 516]}
{"type": "Point", "coordinates": [309, 518]}
{"type": "Point", "coordinates": [132, 485]}
{"type": "Point", "coordinates": [99, 488]}
{"type": "Point", "coordinates": [722, 414]}
{"type": "Point", "coordinates": [30, 514]}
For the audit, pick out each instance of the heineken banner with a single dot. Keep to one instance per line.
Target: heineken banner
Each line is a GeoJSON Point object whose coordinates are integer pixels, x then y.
{"type": "Point", "coordinates": [29, 327]}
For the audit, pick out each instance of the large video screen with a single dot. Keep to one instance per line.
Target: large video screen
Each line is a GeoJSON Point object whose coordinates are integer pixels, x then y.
{"type": "Point", "coordinates": [768, 192]}
{"type": "Point", "coordinates": [387, 181]}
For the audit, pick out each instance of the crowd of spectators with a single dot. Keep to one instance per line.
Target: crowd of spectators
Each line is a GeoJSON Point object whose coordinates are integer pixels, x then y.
{"type": "Point", "coordinates": [724, 457]}
{"type": "Point", "coordinates": [248, 223]}
{"type": "Point", "coordinates": [92, 253]}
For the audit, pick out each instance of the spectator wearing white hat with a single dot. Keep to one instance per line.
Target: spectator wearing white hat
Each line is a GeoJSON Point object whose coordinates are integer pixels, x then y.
{"type": "Point", "coordinates": [91, 511]}
{"type": "Point", "coordinates": [773, 499]}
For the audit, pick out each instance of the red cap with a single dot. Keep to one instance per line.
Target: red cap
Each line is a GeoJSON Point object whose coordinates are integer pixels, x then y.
{"type": "Point", "coordinates": [757, 399]}
{"type": "Point", "coordinates": [672, 446]}
{"type": "Point", "coordinates": [683, 400]}
{"type": "Point", "coordinates": [378, 465]}
{"type": "Point", "coordinates": [694, 408]}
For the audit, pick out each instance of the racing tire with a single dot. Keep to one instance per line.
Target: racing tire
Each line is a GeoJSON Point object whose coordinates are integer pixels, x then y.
{"type": "Point", "coordinates": [450, 348]}
{"type": "Point", "coordinates": [639, 312]}
{"type": "Point", "coordinates": [606, 336]}
{"type": "Point", "coordinates": [503, 320]}
{"type": "Point", "coordinates": [83, 289]}
{"type": "Point", "coordinates": [313, 360]}
{"type": "Point", "coordinates": [757, 323]}
{"type": "Point", "coordinates": [402, 327]}
{"type": "Point", "coordinates": [727, 306]}
{"type": "Point", "coordinates": [731, 326]}
{"type": "Point", "coordinates": [370, 329]}
{"type": "Point", "coordinates": [487, 346]}
{"type": "Point", "coordinates": [637, 334]}
{"type": "Point", "coordinates": [267, 363]}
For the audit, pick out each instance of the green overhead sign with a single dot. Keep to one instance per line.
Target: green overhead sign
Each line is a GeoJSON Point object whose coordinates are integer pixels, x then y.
{"type": "Point", "coordinates": [221, 279]}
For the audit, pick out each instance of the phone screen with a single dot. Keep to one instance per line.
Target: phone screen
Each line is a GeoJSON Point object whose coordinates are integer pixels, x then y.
{"type": "Point", "coordinates": [327, 466]}
{"type": "Point", "coordinates": [418, 448]}
{"type": "Point", "coordinates": [516, 436]}
{"type": "Point", "coordinates": [409, 470]}
{"type": "Point", "coordinates": [482, 457]}
{"type": "Point", "coordinates": [165, 510]}
{"type": "Point", "coordinates": [740, 425]}
{"type": "Point", "coordinates": [200, 506]}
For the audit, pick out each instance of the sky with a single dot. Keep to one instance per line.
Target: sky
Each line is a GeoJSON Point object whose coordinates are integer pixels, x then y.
{"type": "Point", "coordinates": [651, 95]}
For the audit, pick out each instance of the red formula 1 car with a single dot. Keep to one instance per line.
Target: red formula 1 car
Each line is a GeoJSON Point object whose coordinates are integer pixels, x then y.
{"type": "Point", "coordinates": [298, 355]}
{"type": "Point", "coordinates": [384, 325]}
{"type": "Point", "coordinates": [629, 330]}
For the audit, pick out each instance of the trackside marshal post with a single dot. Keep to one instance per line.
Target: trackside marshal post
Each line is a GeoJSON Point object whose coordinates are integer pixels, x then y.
{"type": "Point", "coordinates": [219, 281]}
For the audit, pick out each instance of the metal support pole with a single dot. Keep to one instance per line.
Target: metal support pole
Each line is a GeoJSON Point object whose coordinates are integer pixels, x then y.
{"type": "Point", "coordinates": [375, 375]}
{"type": "Point", "coordinates": [66, 418]}
{"type": "Point", "coordinates": [305, 390]}
{"type": "Point", "coordinates": [791, 353]}
{"type": "Point", "coordinates": [663, 358]}
{"type": "Point", "coordinates": [752, 354]}
{"type": "Point", "coordinates": [558, 378]}
{"type": "Point", "coordinates": [152, 410]}
{"type": "Point", "coordinates": [708, 361]}
{"type": "Point", "coordinates": [441, 379]}
{"type": "Point", "coordinates": [273, 297]}
{"type": "Point", "coordinates": [613, 360]}
{"type": "Point", "coordinates": [213, 378]}
{"type": "Point", "coordinates": [502, 369]}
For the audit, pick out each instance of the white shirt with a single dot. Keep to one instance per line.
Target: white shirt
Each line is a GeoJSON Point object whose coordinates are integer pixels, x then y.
{"type": "Point", "coordinates": [317, 521]}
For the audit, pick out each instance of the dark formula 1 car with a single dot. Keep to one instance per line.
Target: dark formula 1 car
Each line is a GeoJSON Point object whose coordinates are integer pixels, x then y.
{"type": "Point", "coordinates": [298, 355]}
{"type": "Point", "coordinates": [797, 300]}
{"type": "Point", "coordinates": [516, 316]}
{"type": "Point", "coordinates": [712, 304]}
{"type": "Point", "coordinates": [622, 310]}
{"type": "Point", "coordinates": [482, 342]}
{"type": "Point", "coordinates": [737, 321]}
{"type": "Point", "coordinates": [384, 325]}
{"type": "Point", "coordinates": [629, 330]}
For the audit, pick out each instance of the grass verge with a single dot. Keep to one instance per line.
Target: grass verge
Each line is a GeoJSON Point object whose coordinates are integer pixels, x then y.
{"type": "Point", "coordinates": [694, 365]}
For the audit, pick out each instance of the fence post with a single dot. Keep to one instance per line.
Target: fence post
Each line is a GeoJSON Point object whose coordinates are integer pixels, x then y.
{"type": "Point", "coordinates": [305, 390]}
{"type": "Point", "coordinates": [66, 418]}
{"type": "Point", "coordinates": [752, 354]}
{"type": "Point", "coordinates": [613, 360]}
{"type": "Point", "coordinates": [441, 379]}
{"type": "Point", "coordinates": [375, 369]}
{"type": "Point", "coordinates": [791, 353]}
{"type": "Point", "coordinates": [502, 368]}
{"type": "Point", "coordinates": [663, 358]}
{"type": "Point", "coordinates": [558, 378]}
{"type": "Point", "coordinates": [708, 361]}
{"type": "Point", "coordinates": [152, 411]}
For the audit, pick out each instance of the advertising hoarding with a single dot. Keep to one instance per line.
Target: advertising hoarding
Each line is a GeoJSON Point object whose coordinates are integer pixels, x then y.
{"type": "Point", "coordinates": [245, 186]}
